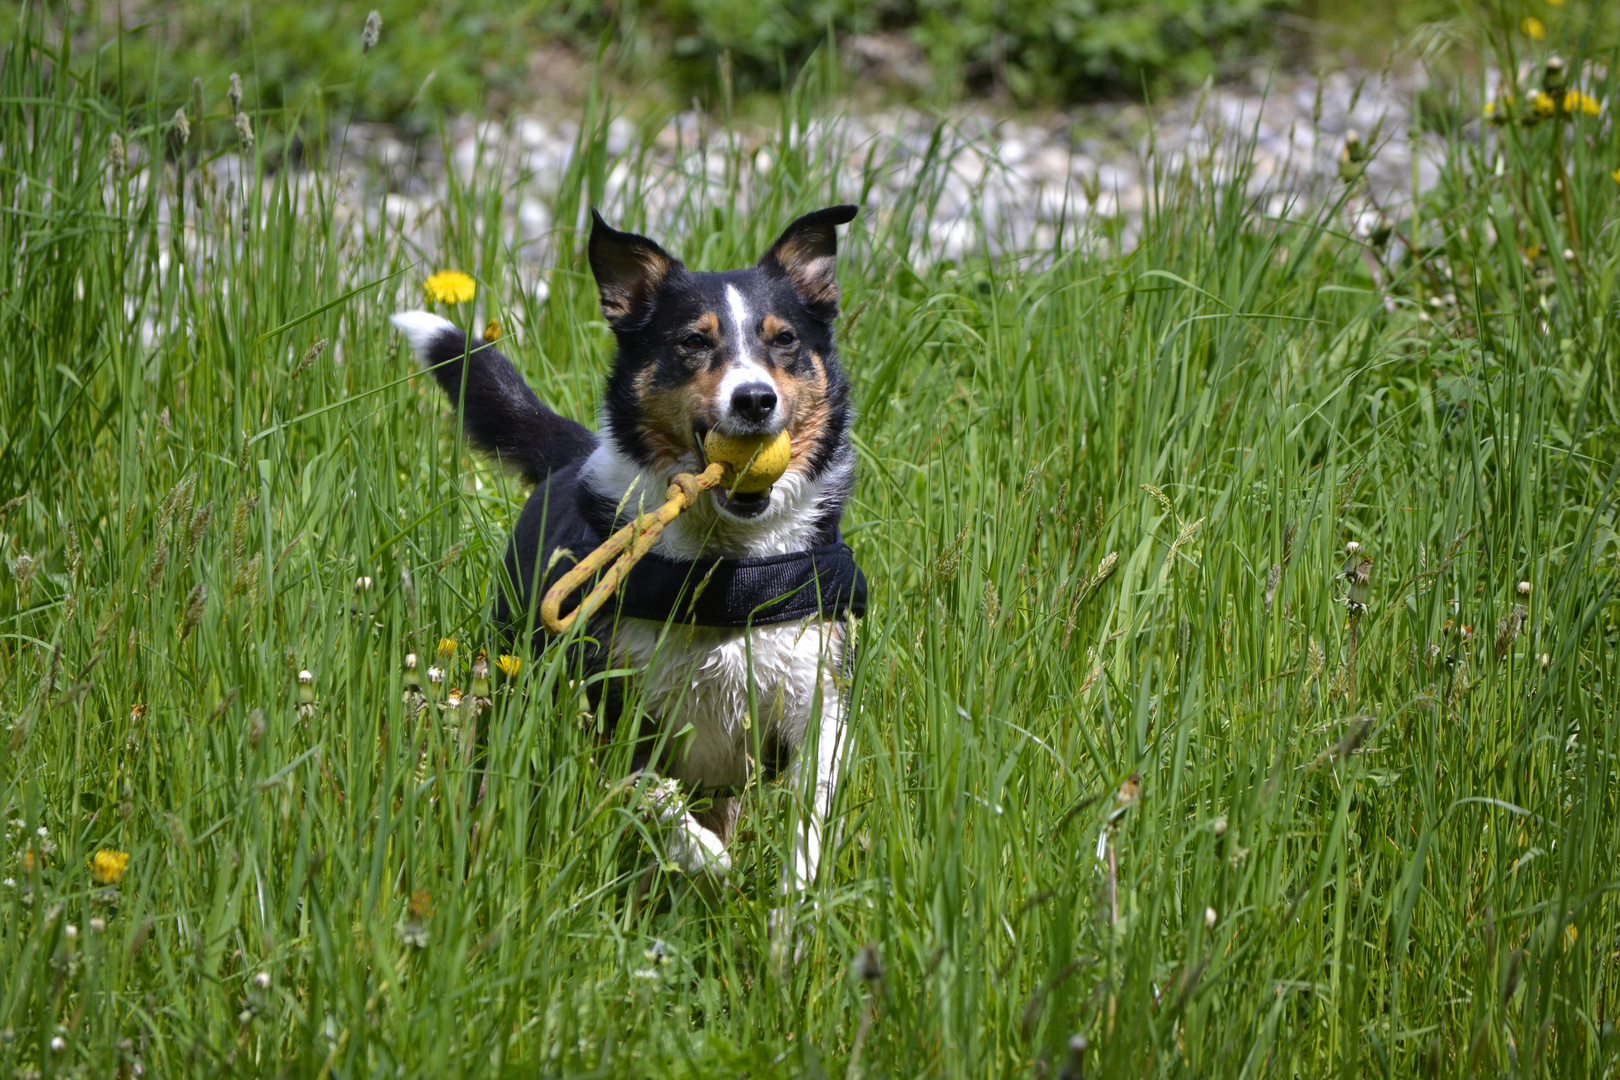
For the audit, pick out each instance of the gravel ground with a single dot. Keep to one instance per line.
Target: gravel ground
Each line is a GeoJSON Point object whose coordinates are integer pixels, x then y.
{"type": "Point", "coordinates": [1012, 184]}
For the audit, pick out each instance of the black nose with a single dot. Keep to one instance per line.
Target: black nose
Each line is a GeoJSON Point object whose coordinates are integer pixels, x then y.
{"type": "Point", "coordinates": [753, 401]}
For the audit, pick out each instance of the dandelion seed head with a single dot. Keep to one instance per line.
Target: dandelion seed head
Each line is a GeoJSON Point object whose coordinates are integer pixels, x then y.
{"type": "Point", "coordinates": [362, 583]}
{"type": "Point", "coordinates": [262, 980]}
{"type": "Point", "coordinates": [1524, 588]}
{"type": "Point", "coordinates": [306, 677]}
{"type": "Point", "coordinates": [98, 925]}
{"type": "Point", "coordinates": [1210, 917]}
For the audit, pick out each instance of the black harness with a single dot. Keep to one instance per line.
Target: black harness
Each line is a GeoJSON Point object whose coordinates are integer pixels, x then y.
{"type": "Point", "coordinates": [822, 581]}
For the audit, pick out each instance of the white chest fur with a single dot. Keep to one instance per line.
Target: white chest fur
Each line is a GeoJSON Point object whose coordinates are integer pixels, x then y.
{"type": "Point", "coordinates": [725, 682]}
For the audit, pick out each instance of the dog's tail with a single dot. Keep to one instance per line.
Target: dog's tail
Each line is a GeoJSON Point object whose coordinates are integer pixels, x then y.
{"type": "Point", "coordinates": [499, 413]}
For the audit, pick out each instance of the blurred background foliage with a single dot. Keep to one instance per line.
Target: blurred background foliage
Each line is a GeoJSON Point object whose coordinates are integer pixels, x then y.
{"type": "Point", "coordinates": [485, 57]}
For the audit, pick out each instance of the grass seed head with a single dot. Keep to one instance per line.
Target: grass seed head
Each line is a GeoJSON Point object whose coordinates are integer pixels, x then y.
{"type": "Point", "coordinates": [244, 131]}
{"type": "Point", "coordinates": [195, 602]}
{"type": "Point", "coordinates": [372, 30]}
{"type": "Point", "coordinates": [117, 157]}
{"type": "Point", "coordinates": [311, 354]}
{"type": "Point", "coordinates": [199, 526]}
{"type": "Point", "coordinates": [182, 125]}
{"type": "Point", "coordinates": [1507, 630]}
{"type": "Point", "coordinates": [233, 95]}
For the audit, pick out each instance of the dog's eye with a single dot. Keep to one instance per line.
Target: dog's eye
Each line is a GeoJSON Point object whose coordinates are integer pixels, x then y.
{"type": "Point", "coordinates": [694, 341]}
{"type": "Point", "coordinates": [784, 339]}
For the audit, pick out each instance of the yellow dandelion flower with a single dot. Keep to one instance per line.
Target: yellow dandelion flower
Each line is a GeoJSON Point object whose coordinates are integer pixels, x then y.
{"type": "Point", "coordinates": [107, 866]}
{"type": "Point", "coordinates": [450, 287]}
{"type": "Point", "coordinates": [1543, 103]}
{"type": "Point", "coordinates": [1575, 101]}
{"type": "Point", "coordinates": [492, 331]}
{"type": "Point", "coordinates": [1615, 176]}
{"type": "Point", "coordinates": [447, 647]}
{"type": "Point", "coordinates": [508, 665]}
{"type": "Point", "coordinates": [1556, 3]}
{"type": "Point", "coordinates": [1490, 108]}
{"type": "Point", "coordinates": [1533, 28]}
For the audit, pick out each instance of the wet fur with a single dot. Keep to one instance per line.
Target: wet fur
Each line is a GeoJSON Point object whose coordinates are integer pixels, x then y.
{"type": "Point", "coordinates": [683, 338]}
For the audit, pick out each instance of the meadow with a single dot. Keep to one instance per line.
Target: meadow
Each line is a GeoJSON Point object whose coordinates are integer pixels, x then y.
{"type": "Point", "coordinates": [1235, 691]}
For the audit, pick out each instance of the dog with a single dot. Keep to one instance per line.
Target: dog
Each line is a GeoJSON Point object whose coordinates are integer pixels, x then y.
{"type": "Point", "coordinates": [743, 598]}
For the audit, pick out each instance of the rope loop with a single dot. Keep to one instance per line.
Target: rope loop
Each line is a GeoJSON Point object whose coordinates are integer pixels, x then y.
{"type": "Point", "coordinates": [624, 549]}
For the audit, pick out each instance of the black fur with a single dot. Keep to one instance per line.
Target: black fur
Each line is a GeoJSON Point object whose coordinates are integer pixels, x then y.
{"type": "Point", "coordinates": [650, 298]}
{"type": "Point", "coordinates": [500, 415]}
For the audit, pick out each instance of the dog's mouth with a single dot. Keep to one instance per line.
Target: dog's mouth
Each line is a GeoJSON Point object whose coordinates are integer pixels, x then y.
{"type": "Point", "coordinates": [738, 504]}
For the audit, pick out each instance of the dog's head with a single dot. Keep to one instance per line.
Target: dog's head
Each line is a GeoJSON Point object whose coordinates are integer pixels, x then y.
{"type": "Point", "coordinates": [744, 352]}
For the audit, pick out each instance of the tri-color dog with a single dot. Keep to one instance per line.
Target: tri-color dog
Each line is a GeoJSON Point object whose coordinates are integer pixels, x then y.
{"type": "Point", "coordinates": [737, 622]}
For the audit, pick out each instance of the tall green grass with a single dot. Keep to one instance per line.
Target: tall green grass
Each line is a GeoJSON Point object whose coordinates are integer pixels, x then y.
{"type": "Point", "coordinates": [1104, 505]}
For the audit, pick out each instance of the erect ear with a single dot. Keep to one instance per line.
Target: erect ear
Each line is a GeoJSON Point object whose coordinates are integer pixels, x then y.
{"type": "Point", "coordinates": [628, 270]}
{"type": "Point", "coordinates": [807, 255]}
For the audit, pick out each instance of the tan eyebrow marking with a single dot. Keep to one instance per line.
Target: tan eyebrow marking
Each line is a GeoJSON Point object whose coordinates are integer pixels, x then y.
{"type": "Point", "coordinates": [708, 323]}
{"type": "Point", "coordinates": [773, 326]}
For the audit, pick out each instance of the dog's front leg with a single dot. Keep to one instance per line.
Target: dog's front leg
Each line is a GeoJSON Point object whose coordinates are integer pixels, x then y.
{"type": "Point", "coordinates": [809, 837]}
{"type": "Point", "coordinates": [807, 841]}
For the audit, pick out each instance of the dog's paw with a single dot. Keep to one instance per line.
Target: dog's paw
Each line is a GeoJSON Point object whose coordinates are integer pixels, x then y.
{"type": "Point", "coordinates": [688, 846]}
{"type": "Point", "coordinates": [694, 850]}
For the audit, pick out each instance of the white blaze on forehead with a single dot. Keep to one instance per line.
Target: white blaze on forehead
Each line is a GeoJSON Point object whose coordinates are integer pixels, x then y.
{"type": "Point", "coordinates": [739, 314]}
{"type": "Point", "coordinates": [743, 368]}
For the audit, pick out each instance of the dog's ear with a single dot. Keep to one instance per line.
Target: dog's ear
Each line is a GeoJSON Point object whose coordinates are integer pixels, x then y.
{"type": "Point", "coordinates": [807, 255]}
{"type": "Point", "coordinates": [628, 270]}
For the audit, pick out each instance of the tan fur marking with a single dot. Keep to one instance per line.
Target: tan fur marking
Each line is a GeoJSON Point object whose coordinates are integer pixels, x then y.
{"type": "Point", "coordinates": [773, 326]}
{"type": "Point", "coordinates": [668, 416]}
{"type": "Point", "coordinates": [810, 417]}
{"type": "Point", "coordinates": [708, 323]}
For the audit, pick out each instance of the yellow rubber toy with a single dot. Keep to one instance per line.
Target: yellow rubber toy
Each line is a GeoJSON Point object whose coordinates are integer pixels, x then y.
{"type": "Point", "coordinates": [757, 461]}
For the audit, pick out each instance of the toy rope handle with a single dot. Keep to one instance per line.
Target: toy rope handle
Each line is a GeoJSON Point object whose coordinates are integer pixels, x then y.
{"type": "Point", "coordinates": [637, 537]}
